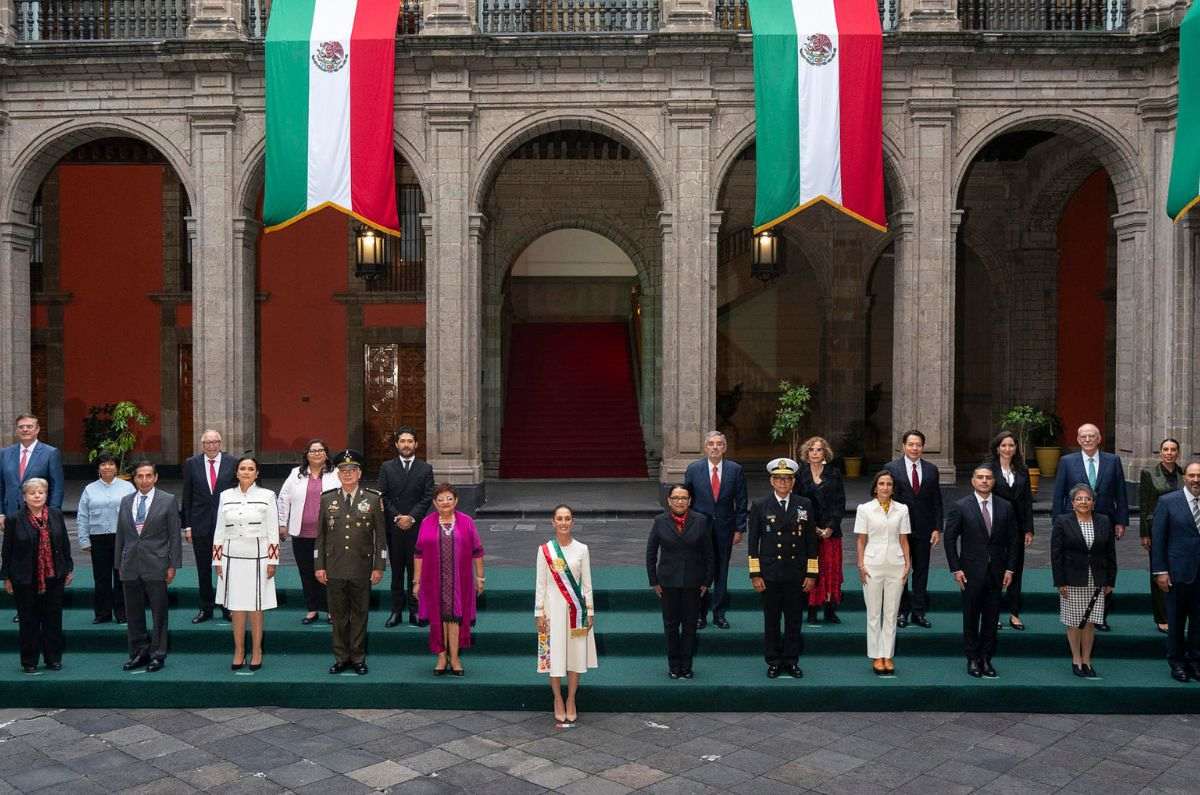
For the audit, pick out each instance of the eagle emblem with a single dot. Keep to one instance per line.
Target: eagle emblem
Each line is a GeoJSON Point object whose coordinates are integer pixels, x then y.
{"type": "Point", "coordinates": [818, 49]}
{"type": "Point", "coordinates": [329, 56]}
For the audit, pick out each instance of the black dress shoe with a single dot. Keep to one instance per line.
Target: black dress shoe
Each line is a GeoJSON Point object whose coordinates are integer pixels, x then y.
{"type": "Point", "coordinates": [973, 668]}
{"type": "Point", "coordinates": [120, 618]}
{"type": "Point", "coordinates": [237, 666]}
{"type": "Point", "coordinates": [1178, 672]}
{"type": "Point", "coordinates": [157, 664]}
{"type": "Point", "coordinates": [458, 671]}
{"type": "Point", "coordinates": [988, 670]}
{"type": "Point", "coordinates": [101, 619]}
{"type": "Point", "coordinates": [16, 619]}
{"type": "Point", "coordinates": [831, 615]}
{"type": "Point", "coordinates": [1016, 626]}
{"type": "Point", "coordinates": [794, 671]}
{"type": "Point", "coordinates": [254, 667]}
{"type": "Point", "coordinates": [1103, 627]}
{"type": "Point", "coordinates": [338, 667]}
{"type": "Point", "coordinates": [412, 619]}
{"type": "Point", "coordinates": [29, 669]}
{"type": "Point", "coordinates": [675, 675]}
{"type": "Point", "coordinates": [701, 623]}
{"type": "Point", "coordinates": [226, 615]}
{"type": "Point", "coordinates": [1090, 672]}
{"type": "Point", "coordinates": [1193, 670]}
{"type": "Point", "coordinates": [721, 622]}
{"type": "Point", "coordinates": [902, 621]}
{"type": "Point", "coordinates": [1079, 671]}
{"type": "Point", "coordinates": [310, 619]}
{"type": "Point", "coordinates": [202, 616]}
{"type": "Point", "coordinates": [392, 620]}
{"type": "Point", "coordinates": [772, 671]}
{"type": "Point", "coordinates": [361, 668]}
{"type": "Point", "coordinates": [133, 663]}
{"type": "Point", "coordinates": [686, 674]}
{"type": "Point", "coordinates": [813, 620]}
{"type": "Point", "coordinates": [328, 619]}
{"type": "Point", "coordinates": [54, 666]}
{"type": "Point", "coordinates": [922, 621]}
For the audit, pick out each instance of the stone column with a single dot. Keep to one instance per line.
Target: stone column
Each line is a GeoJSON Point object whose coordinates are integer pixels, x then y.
{"type": "Point", "coordinates": [449, 18]}
{"type": "Point", "coordinates": [923, 359]}
{"type": "Point", "coordinates": [687, 16]}
{"type": "Point", "coordinates": [1137, 302]}
{"type": "Point", "coordinates": [689, 292]}
{"type": "Point", "coordinates": [1152, 16]}
{"type": "Point", "coordinates": [16, 388]}
{"type": "Point", "coordinates": [453, 304]}
{"type": "Point", "coordinates": [218, 19]}
{"type": "Point", "coordinates": [223, 357]}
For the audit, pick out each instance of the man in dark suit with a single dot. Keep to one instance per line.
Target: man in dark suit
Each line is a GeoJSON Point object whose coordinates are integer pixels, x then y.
{"type": "Point", "coordinates": [1104, 473]}
{"type": "Point", "coordinates": [718, 489]}
{"type": "Point", "coordinates": [148, 552]}
{"type": "Point", "coordinates": [406, 483]}
{"type": "Point", "coordinates": [205, 476]}
{"type": "Point", "coordinates": [917, 487]}
{"type": "Point", "coordinates": [986, 528]}
{"type": "Point", "coordinates": [1175, 563]}
{"type": "Point", "coordinates": [784, 560]}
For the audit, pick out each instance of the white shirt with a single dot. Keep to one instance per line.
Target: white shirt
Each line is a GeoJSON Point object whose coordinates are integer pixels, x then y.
{"type": "Point", "coordinates": [1008, 475]}
{"type": "Point", "coordinates": [908, 470]}
{"type": "Point", "coordinates": [28, 451]}
{"type": "Point", "coordinates": [883, 531]}
{"type": "Point", "coordinates": [1095, 458]}
{"type": "Point", "coordinates": [715, 468]}
{"type": "Point", "coordinates": [783, 501]}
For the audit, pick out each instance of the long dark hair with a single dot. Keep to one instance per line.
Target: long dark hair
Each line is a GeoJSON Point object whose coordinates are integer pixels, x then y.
{"type": "Point", "coordinates": [994, 451]}
{"type": "Point", "coordinates": [303, 470]}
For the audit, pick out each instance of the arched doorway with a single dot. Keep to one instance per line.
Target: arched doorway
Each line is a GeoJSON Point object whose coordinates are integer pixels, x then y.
{"type": "Point", "coordinates": [573, 240]}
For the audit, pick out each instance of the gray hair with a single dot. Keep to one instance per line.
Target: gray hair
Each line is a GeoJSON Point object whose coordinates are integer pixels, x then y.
{"type": "Point", "coordinates": [33, 483]}
{"type": "Point", "coordinates": [1078, 487]}
{"type": "Point", "coordinates": [713, 435]}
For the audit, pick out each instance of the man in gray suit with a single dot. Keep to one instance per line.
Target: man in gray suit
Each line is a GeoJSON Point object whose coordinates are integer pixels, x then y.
{"type": "Point", "coordinates": [148, 552]}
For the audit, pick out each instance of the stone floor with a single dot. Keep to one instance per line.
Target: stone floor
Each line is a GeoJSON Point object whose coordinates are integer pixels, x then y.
{"type": "Point", "coordinates": [286, 750]}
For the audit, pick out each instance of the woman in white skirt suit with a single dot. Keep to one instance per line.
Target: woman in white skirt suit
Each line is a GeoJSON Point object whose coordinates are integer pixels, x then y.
{"type": "Point", "coordinates": [566, 649]}
{"type": "Point", "coordinates": [245, 555]}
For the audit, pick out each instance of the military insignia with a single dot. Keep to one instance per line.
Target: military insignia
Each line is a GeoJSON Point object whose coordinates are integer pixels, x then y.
{"type": "Point", "coordinates": [364, 506]}
{"type": "Point", "coordinates": [330, 56]}
{"type": "Point", "coordinates": [333, 505]}
{"type": "Point", "coordinates": [817, 49]}
{"type": "Point", "coordinates": [802, 515]}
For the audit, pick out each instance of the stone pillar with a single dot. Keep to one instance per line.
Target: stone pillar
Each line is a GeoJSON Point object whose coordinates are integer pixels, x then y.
{"type": "Point", "coordinates": [223, 289]}
{"type": "Point", "coordinates": [453, 304]}
{"type": "Point", "coordinates": [1137, 302]}
{"type": "Point", "coordinates": [923, 359]}
{"type": "Point", "coordinates": [1152, 16]}
{"type": "Point", "coordinates": [16, 388]}
{"type": "Point", "coordinates": [217, 19]}
{"type": "Point", "coordinates": [8, 23]}
{"type": "Point", "coordinates": [925, 15]}
{"type": "Point", "coordinates": [689, 291]}
{"type": "Point", "coordinates": [449, 18]}
{"type": "Point", "coordinates": [687, 16]}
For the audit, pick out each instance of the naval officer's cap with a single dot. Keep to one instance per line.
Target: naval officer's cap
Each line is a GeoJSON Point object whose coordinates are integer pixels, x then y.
{"type": "Point", "coordinates": [783, 467]}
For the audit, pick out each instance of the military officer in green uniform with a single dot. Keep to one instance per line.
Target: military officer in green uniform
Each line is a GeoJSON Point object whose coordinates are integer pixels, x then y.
{"type": "Point", "coordinates": [784, 548]}
{"type": "Point", "coordinates": [351, 548]}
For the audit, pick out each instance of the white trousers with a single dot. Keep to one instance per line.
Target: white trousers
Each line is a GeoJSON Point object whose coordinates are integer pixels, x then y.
{"type": "Point", "coordinates": [881, 593]}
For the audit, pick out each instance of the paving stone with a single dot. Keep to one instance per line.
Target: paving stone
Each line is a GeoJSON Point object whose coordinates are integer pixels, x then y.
{"type": "Point", "coordinates": [126, 776]}
{"type": "Point", "coordinates": [34, 725]}
{"type": "Point", "coordinates": [254, 722]}
{"type": "Point", "coordinates": [384, 774]}
{"type": "Point", "coordinates": [594, 785]}
{"type": "Point", "coordinates": [853, 784]}
{"type": "Point", "coordinates": [431, 761]}
{"type": "Point", "coordinates": [345, 760]}
{"type": "Point", "coordinates": [678, 785]}
{"type": "Point", "coordinates": [508, 785]}
{"type": "Point", "coordinates": [472, 747]}
{"type": "Point", "coordinates": [223, 714]}
{"type": "Point", "coordinates": [54, 775]}
{"type": "Point", "coordinates": [168, 785]}
{"type": "Point", "coordinates": [635, 775]}
{"type": "Point", "coordinates": [156, 747]}
{"type": "Point", "coordinates": [963, 773]}
{"type": "Point", "coordinates": [799, 775]}
{"type": "Point", "coordinates": [335, 785]}
{"type": "Point", "coordinates": [299, 774]}
{"type": "Point", "coordinates": [553, 776]}
{"type": "Point", "coordinates": [423, 786]}
{"type": "Point", "coordinates": [830, 761]}
{"type": "Point", "coordinates": [668, 761]}
{"type": "Point", "coordinates": [1010, 785]}
{"type": "Point", "coordinates": [470, 774]}
{"type": "Point", "coordinates": [719, 775]}
{"type": "Point", "coordinates": [104, 760]}
{"type": "Point", "coordinates": [131, 734]}
{"type": "Point", "coordinates": [551, 748]}
{"type": "Point", "coordinates": [189, 759]}
{"type": "Point", "coordinates": [85, 747]}
{"type": "Point", "coordinates": [210, 776]}
{"type": "Point", "coordinates": [751, 761]}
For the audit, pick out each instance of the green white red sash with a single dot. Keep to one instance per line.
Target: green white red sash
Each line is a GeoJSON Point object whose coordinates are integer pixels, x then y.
{"type": "Point", "coordinates": [570, 590]}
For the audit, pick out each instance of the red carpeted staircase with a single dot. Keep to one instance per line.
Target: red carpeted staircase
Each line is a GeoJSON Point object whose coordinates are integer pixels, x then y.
{"type": "Point", "coordinates": [572, 409]}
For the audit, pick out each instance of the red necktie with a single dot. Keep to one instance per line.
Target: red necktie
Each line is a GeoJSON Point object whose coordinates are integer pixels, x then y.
{"type": "Point", "coordinates": [916, 481]}
{"type": "Point", "coordinates": [24, 461]}
{"type": "Point", "coordinates": [212, 475]}
{"type": "Point", "coordinates": [716, 484]}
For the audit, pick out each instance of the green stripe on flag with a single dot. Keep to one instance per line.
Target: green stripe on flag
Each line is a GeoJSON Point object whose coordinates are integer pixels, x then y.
{"type": "Point", "coordinates": [1185, 163]}
{"type": "Point", "coordinates": [287, 59]}
{"type": "Point", "coordinates": [777, 111]}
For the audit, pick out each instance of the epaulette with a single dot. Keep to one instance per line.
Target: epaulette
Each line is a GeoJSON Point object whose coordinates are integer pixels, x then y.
{"type": "Point", "coordinates": [330, 491]}
{"type": "Point", "coordinates": [372, 491]}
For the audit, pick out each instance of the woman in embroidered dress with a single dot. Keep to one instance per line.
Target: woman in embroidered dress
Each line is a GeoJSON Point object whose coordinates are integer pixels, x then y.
{"type": "Point", "coordinates": [564, 612]}
{"type": "Point", "coordinates": [448, 547]}
{"type": "Point", "coordinates": [245, 555]}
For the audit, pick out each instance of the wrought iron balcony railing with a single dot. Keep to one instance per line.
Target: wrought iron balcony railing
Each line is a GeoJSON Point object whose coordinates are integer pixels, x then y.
{"type": "Point", "coordinates": [1043, 15]}
{"type": "Point", "coordinates": [568, 16]}
{"type": "Point", "coordinates": [257, 12]}
{"type": "Point", "coordinates": [735, 14]}
{"type": "Point", "coordinates": [83, 20]}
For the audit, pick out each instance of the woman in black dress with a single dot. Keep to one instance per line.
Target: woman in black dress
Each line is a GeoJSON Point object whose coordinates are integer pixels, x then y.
{"type": "Point", "coordinates": [1012, 484]}
{"type": "Point", "coordinates": [679, 563]}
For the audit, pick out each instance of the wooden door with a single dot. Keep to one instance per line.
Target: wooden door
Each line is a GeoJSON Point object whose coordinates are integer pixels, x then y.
{"type": "Point", "coordinates": [394, 395]}
{"type": "Point", "coordinates": [186, 441]}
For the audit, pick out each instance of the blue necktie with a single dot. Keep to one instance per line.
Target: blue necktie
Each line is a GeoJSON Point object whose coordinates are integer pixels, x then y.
{"type": "Point", "coordinates": [140, 516]}
{"type": "Point", "coordinates": [1091, 466]}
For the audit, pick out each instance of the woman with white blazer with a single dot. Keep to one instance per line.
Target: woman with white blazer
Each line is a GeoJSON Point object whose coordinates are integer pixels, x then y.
{"type": "Point", "coordinates": [882, 529]}
{"type": "Point", "coordinates": [299, 515]}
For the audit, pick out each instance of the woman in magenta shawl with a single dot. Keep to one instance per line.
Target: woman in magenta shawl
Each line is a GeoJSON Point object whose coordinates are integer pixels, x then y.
{"type": "Point", "coordinates": [448, 548]}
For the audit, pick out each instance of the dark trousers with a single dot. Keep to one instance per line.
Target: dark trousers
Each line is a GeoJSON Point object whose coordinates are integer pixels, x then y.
{"type": "Point", "coordinates": [981, 609]}
{"type": "Point", "coordinates": [202, 548]}
{"type": "Point", "coordinates": [314, 592]}
{"type": "Point", "coordinates": [1159, 601]}
{"type": "Point", "coordinates": [41, 621]}
{"type": "Point", "coordinates": [785, 600]}
{"type": "Point", "coordinates": [717, 597]}
{"type": "Point", "coordinates": [1011, 600]}
{"type": "Point", "coordinates": [401, 544]}
{"type": "Point", "coordinates": [108, 596]}
{"type": "Point", "coordinates": [139, 593]}
{"type": "Point", "coordinates": [680, 609]}
{"type": "Point", "coordinates": [1183, 622]}
{"type": "Point", "coordinates": [349, 603]}
{"type": "Point", "coordinates": [916, 601]}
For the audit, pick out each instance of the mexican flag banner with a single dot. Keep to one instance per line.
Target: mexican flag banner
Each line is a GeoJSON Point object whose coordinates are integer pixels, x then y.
{"type": "Point", "coordinates": [818, 99]}
{"type": "Point", "coordinates": [330, 68]}
{"type": "Point", "coordinates": [1184, 192]}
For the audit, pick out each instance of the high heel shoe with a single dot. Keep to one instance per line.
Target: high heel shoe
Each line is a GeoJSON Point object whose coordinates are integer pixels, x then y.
{"type": "Point", "coordinates": [237, 666]}
{"type": "Point", "coordinates": [458, 671]}
{"type": "Point", "coordinates": [254, 667]}
{"type": "Point", "coordinates": [310, 619]}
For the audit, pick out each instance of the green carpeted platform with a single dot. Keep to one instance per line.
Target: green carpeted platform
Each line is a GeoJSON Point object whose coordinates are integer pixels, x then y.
{"type": "Point", "coordinates": [1034, 665]}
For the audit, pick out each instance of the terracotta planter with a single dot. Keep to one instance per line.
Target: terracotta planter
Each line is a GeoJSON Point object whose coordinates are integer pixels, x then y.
{"type": "Point", "coordinates": [1035, 475]}
{"type": "Point", "coordinates": [853, 464]}
{"type": "Point", "coordinates": [1047, 458]}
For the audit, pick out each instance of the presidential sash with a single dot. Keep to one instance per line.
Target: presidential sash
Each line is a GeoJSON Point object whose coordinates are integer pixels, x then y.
{"type": "Point", "coordinates": [570, 590]}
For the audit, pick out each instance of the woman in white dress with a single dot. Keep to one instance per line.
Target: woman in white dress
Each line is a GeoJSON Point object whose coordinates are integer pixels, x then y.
{"type": "Point", "coordinates": [564, 613]}
{"type": "Point", "coordinates": [245, 555]}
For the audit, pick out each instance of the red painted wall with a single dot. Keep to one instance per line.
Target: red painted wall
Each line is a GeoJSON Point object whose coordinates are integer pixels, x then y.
{"type": "Point", "coordinates": [1082, 258]}
{"type": "Point", "coordinates": [302, 334]}
{"type": "Point", "coordinates": [110, 259]}
{"type": "Point", "coordinates": [401, 315]}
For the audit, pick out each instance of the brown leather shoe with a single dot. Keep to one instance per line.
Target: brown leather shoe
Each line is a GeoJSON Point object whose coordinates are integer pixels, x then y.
{"type": "Point", "coordinates": [879, 666]}
{"type": "Point", "coordinates": [890, 665]}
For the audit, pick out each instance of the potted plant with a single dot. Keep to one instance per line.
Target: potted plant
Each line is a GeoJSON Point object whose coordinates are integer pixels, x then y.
{"type": "Point", "coordinates": [793, 405]}
{"type": "Point", "coordinates": [112, 428]}
{"type": "Point", "coordinates": [1046, 448]}
{"type": "Point", "coordinates": [1026, 421]}
{"type": "Point", "coordinates": [852, 449]}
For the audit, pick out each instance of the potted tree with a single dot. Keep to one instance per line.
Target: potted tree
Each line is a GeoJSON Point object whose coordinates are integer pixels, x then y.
{"type": "Point", "coordinates": [112, 428]}
{"type": "Point", "coordinates": [1045, 440]}
{"type": "Point", "coordinates": [852, 449]}
{"type": "Point", "coordinates": [793, 405]}
{"type": "Point", "coordinates": [1027, 422]}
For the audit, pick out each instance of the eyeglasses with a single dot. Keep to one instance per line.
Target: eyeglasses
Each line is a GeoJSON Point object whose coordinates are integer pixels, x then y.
{"type": "Point", "coordinates": [678, 498]}
{"type": "Point", "coordinates": [318, 450]}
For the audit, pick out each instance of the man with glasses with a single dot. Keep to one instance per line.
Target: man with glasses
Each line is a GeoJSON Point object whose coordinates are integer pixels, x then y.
{"type": "Point", "coordinates": [205, 476]}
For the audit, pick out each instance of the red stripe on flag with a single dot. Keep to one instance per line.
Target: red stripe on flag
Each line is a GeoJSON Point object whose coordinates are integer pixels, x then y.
{"type": "Point", "coordinates": [860, 73]}
{"type": "Point", "coordinates": [372, 101]}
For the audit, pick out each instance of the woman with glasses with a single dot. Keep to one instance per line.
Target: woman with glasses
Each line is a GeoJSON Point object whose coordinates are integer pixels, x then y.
{"type": "Point", "coordinates": [299, 515]}
{"type": "Point", "coordinates": [679, 563]}
{"type": "Point", "coordinates": [1083, 557]}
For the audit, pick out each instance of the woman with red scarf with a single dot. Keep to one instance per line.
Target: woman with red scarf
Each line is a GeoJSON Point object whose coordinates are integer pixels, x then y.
{"type": "Point", "coordinates": [36, 565]}
{"type": "Point", "coordinates": [680, 564]}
